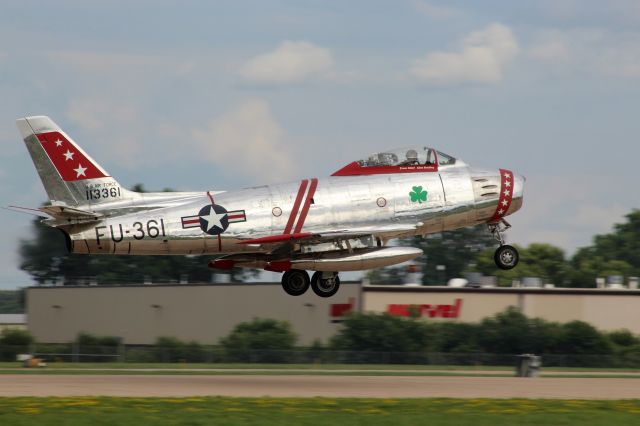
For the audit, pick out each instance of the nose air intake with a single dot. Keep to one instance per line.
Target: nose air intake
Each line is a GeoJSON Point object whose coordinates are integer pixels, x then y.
{"type": "Point", "coordinates": [497, 193]}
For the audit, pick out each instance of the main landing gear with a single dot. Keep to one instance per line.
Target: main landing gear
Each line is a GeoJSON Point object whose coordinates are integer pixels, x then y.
{"type": "Point", "coordinates": [295, 282]}
{"type": "Point", "coordinates": [325, 284]}
{"type": "Point", "coordinates": [506, 256]}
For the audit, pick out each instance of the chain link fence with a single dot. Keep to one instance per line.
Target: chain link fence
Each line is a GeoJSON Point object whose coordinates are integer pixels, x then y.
{"type": "Point", "coordinates": [196, 353]}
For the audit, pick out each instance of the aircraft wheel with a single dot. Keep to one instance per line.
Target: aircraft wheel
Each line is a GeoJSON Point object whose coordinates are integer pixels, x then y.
{"type": "Point", "coordinates": [506, 257]}
{"type": "Point", "coordinates": [295, 282]}
{"type": "Point", "coordinates": [325, 287]}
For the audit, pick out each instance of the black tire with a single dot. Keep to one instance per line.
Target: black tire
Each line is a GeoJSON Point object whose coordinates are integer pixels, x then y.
{"type": "Point", "coordinates": [295, 282]}
{"type": "Point", "coordinates": [324, 287]}
{"type": "Point", "coordinates": [506, 257]}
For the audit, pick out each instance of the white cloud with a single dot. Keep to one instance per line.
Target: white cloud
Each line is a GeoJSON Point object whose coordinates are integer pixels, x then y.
{"type": "Point", "coordinates": [249, 138]}
{"type": "Point", "coordinates": [113, 125]}
{"type": "Point", "coordinates": [551, 49]}
{"type": "Point", "coordinates": [482, 58]}
{"type": "Point", "coordinates": [434, 12]}
{"type": "Point", "coordinates": [292, 61]}
{"type": "Point", "coordinates": [591, 51]}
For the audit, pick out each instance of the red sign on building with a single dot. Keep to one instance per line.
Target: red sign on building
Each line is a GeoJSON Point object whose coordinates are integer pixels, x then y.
{"type": "Point", "coordinates": [429, 311]}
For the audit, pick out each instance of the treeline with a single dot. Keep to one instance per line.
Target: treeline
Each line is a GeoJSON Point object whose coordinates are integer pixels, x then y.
{"type": "Point", "coordinates": [11, 301]}
{"type": "Point", "coordinates": [451, 254]}
{"type": "Point", "coordinates": [372, 338]}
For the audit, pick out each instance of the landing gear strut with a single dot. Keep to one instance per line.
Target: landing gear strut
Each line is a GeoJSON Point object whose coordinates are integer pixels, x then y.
{"type": "Point", "coordinates": [295, 282]}
{"type": "Point", "coordinates": [325, 284]}
{"type": "Point", "coordinates": [506, 256]}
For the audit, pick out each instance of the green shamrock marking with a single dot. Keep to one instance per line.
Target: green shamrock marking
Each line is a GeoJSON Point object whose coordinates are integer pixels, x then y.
{"type": "Point", "coordinates": [418, 195]}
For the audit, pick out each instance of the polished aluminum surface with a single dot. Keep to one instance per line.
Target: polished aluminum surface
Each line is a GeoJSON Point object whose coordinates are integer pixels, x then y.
{"type": "Point", "coordinates": [331, 218]}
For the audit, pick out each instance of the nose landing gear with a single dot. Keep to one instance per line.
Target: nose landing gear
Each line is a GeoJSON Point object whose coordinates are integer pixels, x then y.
{"type": "Point", "coordinates": [506, 256]}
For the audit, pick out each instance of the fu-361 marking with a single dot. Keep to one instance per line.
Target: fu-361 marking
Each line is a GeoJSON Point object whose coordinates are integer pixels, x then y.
{"type": "Point", "coordinates": [140, 230]}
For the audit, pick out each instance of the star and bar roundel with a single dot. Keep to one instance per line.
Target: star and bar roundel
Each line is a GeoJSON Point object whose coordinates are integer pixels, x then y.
{"type": "Point", "coordinates": [213, 219]}
{"type": "Point", "coordinates": [506, 195]}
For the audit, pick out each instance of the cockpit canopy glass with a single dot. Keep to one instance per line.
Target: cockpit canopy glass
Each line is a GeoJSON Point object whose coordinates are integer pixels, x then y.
{"type": "Point", "coordinates": [410, 156]}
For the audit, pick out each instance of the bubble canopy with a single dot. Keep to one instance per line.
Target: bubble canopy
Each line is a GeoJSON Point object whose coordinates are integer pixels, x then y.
{"type": "Point", "coordinates": [399, 160]}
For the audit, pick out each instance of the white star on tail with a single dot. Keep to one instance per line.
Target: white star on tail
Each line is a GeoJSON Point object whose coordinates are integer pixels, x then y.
{"type": "Point", "coordinates": [58, 142]}
{"type": "Point", "coordinates": [68, 155]}
{"type": "Point", "coordinates": [505, 202]}
{"type": "Point", "coordinates": [213, 219]}
{"type": "Point", "coordinates": [80, 170]}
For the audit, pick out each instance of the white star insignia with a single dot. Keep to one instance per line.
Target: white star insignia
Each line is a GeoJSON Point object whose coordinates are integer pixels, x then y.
{"type": "Point", "coordinates": [507, 176]}
{"type": "Point", "coordinates": [80, 170]}
{"type": "Point", "coordinates": [213, 219]}
{"type": "Point", "coordinates": [68, 155]}
{"type": "Point", "coordinates": [58, 142]}
{"type": "Point", "coordinates": [507, 192]}
{"type": "Point", "coordinates": [500, 211]}
{"type": "Point", "coordinates": [507, 184]}
{"type": "Point", "coordinates": [505, 202]}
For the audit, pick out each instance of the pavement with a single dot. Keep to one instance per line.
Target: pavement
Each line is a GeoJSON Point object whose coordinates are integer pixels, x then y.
{"type": "Point", "coordinates": [314, 385]}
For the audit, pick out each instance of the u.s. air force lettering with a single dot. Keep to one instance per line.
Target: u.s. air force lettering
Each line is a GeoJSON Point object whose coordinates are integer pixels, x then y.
{"type": "Point", "coordinates": [213, 219]}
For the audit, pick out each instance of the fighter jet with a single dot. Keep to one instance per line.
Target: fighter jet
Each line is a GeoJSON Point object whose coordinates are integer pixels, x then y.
{"type": "Point", "coordinates": [340, 223]}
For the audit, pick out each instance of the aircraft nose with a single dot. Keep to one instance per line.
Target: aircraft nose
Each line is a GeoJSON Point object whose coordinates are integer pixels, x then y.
{"type": "Point", "coordinates": [518, 185]}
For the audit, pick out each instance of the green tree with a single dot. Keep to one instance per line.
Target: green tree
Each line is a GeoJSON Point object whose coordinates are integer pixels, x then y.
{"type": "Point", "coordinates": [455, 250]}
{"type": "Point", "coordinates": [372, 332]}
{"type": "Point", "coordinates": [454, 337]}
{"type": "Point", "coordinates": [397, 275]}
{"type": "Point", "coordinates": [14, 341]}
{"type": "Point", "coordinates": [12, 301]}
{"type": "Point", "coordinates": [260, 340]}
{"type": "Point", "coordinates": [616, 253]}
{"type": "Point", "coordinates": [581, 338]}
{"type": "Point", "coordinates": [537, 260]}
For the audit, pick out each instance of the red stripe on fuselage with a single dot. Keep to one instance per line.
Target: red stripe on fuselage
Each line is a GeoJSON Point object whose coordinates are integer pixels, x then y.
{"type": "Point", "coordinates": [307, 203]}
{"type": "Point", "coordinates": [296, 206]}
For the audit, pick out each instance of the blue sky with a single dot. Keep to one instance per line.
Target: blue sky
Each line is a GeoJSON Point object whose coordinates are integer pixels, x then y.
{"type": "Point", "coordinates": [175, 94]}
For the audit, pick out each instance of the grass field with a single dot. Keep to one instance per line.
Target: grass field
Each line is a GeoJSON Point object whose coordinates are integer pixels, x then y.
{"type": "Point", "coordinates": [314, 411]}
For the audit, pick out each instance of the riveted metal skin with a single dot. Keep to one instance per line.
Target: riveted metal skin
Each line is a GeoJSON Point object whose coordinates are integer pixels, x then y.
{"type": "Point", "coordinates": [337, 223]}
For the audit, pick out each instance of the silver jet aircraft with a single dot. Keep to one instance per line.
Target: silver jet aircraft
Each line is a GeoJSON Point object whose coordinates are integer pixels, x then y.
{"type": "Point", "coordinates": [340, 223]}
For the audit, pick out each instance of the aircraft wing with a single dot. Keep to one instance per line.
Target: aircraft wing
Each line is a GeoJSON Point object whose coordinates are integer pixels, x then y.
{"type": "Point", "coordinates": [329, 235]}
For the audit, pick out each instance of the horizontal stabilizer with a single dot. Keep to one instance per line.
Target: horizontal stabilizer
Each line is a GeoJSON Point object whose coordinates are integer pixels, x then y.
{"type": "Point", "coordinates": [57, 212]}
{"type": "Point", "coordinates": [64, 212]}
{"type": "Point", "coordinates": [28, 210]}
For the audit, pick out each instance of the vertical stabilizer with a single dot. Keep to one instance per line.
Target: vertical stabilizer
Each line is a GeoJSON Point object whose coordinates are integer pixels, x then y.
{"type": "Point", "coordinates": [69, 175]}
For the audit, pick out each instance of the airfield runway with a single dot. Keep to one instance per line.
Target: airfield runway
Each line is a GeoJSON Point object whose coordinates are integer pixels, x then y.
{"type": "Point", "coordinates": [314, 385]}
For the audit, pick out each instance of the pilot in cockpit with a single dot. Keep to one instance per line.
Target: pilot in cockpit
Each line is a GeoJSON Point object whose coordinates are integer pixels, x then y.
{"type": "Point", "coordinates": [412, 158]}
